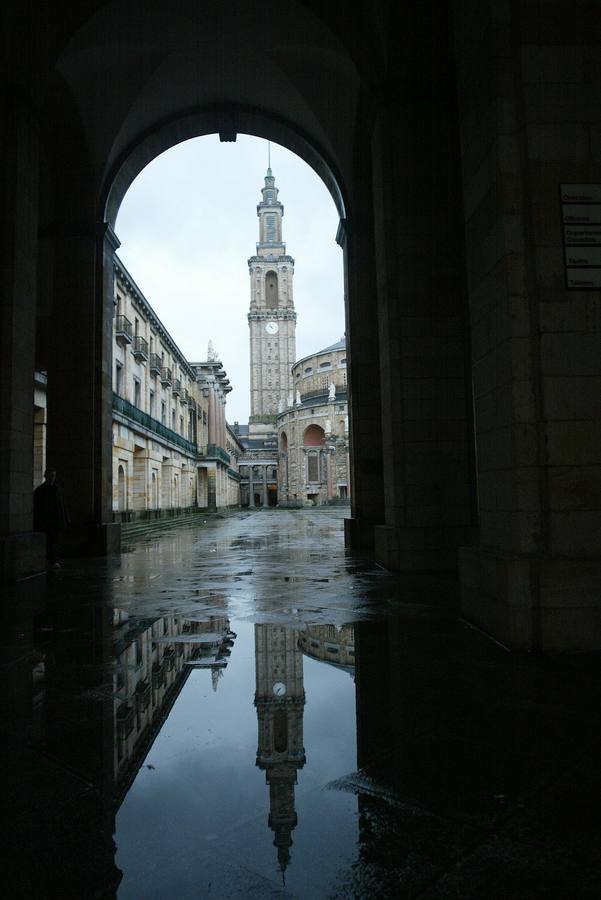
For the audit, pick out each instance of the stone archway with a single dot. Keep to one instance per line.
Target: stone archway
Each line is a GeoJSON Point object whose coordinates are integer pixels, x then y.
{"type": "Point", "coordinates": [453, 264]}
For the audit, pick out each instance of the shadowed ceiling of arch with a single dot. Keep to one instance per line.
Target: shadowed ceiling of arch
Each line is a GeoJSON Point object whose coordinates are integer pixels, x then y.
{"type": "Point", "coordinates": [136, 63]}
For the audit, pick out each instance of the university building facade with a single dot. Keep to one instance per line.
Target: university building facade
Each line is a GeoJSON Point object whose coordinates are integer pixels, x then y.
{"type": "Point", "coordinates": [172, 449]}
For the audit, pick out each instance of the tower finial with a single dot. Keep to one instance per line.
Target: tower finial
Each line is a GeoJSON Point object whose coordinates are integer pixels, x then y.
{"type": "Point", "coordinates": [268, 158]}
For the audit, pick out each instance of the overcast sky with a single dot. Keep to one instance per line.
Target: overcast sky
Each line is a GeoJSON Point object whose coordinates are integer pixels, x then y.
{"type": "Point", "coordinates": [188, 225]}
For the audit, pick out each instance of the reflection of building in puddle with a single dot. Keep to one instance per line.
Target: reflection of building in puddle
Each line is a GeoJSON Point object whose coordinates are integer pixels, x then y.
{"type": "Point", "coordinates": [330, 644]}
{"type": "Point", "coordinates": [152, 661]}
{"type": "Point", "coordinates": [280, 701]}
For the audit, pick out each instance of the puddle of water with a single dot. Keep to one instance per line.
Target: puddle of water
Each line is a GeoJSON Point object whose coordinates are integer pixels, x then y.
{"type": "Point", "coordinates": [230, 793]}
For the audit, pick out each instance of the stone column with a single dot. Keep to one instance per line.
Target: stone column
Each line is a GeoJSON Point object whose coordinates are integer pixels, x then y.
{"type": "Point", "coordinates": [211, 414]}
{"type": "Point", "coordinates": [21, 550]}
{"type": "Point", "coordinates": [347, 473]}
{"type": "Point", "coordinates": [39, 444]}
{"type": "Point", "coordinates": [329, 458]}
{"type": "Point", "coordinates": [80, 381]}
{"type": "Point", "coordinates": [265, 500]}
{"type": "Point", "coordinates": [251, 487]}
{"type": "Point", "coordinates": [211, 486]}
{"type": "Point", "coordinates": [422, 306]}
{"type": "Point", "coordinates": [356, 236]}
{"type": "Point", "coordinates": [223, 424]}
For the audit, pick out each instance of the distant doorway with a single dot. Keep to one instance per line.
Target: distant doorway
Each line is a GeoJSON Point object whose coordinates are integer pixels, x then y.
{"type": "Point", "coordinates": [122, 489]}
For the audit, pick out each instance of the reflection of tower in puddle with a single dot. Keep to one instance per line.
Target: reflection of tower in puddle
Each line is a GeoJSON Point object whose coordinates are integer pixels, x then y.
{"type": "Point", "coordinates": [280, 701]}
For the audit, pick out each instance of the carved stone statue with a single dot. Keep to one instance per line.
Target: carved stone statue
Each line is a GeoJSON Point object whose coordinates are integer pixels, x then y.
{"type": "Point", "coordinates": [212, 355]}
{"type": "Point", "coordinates": [328, 427]}
{"type": "Point", "coordinates": [298, 398]}
{"type": "Point", "coordinates": [332, 392]}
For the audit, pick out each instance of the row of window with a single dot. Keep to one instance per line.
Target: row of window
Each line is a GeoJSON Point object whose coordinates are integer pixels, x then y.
{"type": "Point", "coordinates": [258, 471]}
{"type": "Point", "coordinates": [152, 408]}
{"type": "Point", "coordinates": [323, 365]}
{"type": "Point", "coordinates": [168, 361]}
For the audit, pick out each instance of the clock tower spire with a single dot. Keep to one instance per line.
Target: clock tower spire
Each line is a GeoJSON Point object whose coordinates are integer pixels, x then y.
{"type": "Point", "coordinates": [271, 319]}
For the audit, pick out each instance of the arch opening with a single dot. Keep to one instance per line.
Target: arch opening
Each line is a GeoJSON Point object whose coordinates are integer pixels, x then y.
{"type": "Point", "coordinates": [271, 290]}
{"type": "Point", "coordinates": [314, 436]}
{"type": "Point", "coordinates": [209, 121]}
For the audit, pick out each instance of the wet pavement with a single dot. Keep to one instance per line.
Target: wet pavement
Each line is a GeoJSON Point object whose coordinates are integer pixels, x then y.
{"type": "Point", "coordinates": [239, 708]}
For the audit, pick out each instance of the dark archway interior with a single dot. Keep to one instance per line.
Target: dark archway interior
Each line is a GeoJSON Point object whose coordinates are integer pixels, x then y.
{"type": "Point", "coordinates": [460, 144]}
{"type": "Point", "coordinates": [453, 262]}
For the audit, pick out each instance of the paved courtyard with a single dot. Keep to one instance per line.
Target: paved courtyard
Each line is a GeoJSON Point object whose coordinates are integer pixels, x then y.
{"type": "Point", "coordinates": [409, 755]}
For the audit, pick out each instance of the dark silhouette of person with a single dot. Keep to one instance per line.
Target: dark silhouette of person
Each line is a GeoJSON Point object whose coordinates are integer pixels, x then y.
{"type": "Point", "coordinates": [50, 515]}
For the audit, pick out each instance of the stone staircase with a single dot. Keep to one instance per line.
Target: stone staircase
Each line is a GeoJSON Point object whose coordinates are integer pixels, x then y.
{"type": "Point", "coordinates": [141, 528]}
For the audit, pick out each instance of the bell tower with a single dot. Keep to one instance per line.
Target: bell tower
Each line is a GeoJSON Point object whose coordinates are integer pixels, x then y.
{"type": "Point", "coordinates": [271, 319]}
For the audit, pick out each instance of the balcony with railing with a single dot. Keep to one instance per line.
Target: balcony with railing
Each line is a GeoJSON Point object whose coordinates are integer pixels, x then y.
{"type": "Point", "coordinates": [322, 396]}
{"type": "Point", "coordinates": [143, 694]}
{"type": "Point", "coordinates": [140, 348]}
{"type": "Point", "coordinates": [216, 452]}
{"type": "Point", "coordinates": [124, 330]}
{"type": "Point", "coordinates": [158, 675]}
{"type": "Point", "coordinates": [166, 377]}
{"type": "Point", "coordinates": [125, 721]}
{"type": "Point", "coordinates": [177, 387]}
{"type": "Point", "coordinates": [185, 397]}
{"type": "Point", "coordinates": [131, 412]}
{"type": "Point", "coordinates": [155, 364]}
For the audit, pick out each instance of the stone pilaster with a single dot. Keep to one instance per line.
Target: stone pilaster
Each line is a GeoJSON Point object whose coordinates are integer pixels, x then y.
{"type": "Point", "coordinates": [21, 551]}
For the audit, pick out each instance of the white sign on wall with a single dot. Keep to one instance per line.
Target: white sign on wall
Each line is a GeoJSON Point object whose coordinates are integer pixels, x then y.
{"type": "Point", "coordinates": [581, 217]}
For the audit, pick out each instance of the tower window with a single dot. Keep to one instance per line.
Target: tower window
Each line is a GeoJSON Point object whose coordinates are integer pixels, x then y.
{"type": "Point", "coordinates": [119, 379]}
{"type": "Point", "coordinates": [270, 228]}
{"type": "Point", "coordinates": [271, 290]}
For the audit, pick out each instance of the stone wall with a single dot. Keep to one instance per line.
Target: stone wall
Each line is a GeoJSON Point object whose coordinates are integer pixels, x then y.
{"type": "Point", "coordinates": [328, 479]}
{"type": "Point", "coordinates": [529, 92]}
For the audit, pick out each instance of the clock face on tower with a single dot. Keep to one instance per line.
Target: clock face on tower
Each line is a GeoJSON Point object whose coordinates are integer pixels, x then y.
{"type": "Point", "coordinates": [279, 689]}
{"type": "Point", "coordinates": [272, 328]}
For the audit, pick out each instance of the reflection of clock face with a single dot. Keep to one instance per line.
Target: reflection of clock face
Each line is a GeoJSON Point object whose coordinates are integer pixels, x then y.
{"type": "Point", "coordinates": [279, 689]}
{"type": "Point", "coordinates": [271, 328]}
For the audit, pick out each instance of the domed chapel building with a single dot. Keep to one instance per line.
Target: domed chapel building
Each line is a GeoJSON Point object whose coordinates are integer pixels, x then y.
{"type": "Point", "coordinates": [313, 449]}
